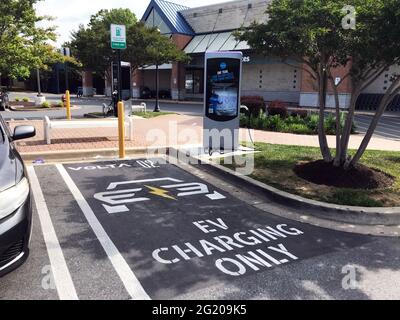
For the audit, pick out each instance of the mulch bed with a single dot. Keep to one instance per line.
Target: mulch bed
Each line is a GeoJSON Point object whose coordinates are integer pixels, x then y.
{"type": "Point", "coordinates": [22, 103]}
{"type": "Point", "coordinates": [358, 177]}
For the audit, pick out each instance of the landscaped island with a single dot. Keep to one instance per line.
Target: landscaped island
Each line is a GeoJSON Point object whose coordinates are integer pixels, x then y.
{"type": "Point", "coordinates": [375, 182]}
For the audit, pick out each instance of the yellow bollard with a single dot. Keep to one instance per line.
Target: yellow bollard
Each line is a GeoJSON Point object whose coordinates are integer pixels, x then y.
{"type": "Point", "coordinates": [121, 130]}
{"type": "Point", "coordinates": [68, 104]}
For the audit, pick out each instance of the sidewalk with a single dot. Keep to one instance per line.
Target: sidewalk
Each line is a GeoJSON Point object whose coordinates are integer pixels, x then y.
{"type": "Point", "coordinates": [312, 141]}
{"type": "Point", "coordinates": [169, 130]}
{"type": "Point", "coordinates": [159, 131]}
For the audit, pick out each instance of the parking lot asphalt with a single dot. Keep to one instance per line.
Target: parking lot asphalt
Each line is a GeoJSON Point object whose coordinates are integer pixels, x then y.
{"type": "Point", "coordinates": [146, 229]}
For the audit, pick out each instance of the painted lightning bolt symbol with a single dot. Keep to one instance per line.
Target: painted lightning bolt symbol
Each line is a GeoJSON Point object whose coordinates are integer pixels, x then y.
{"type": "Point", "coordinates": [160, 192]}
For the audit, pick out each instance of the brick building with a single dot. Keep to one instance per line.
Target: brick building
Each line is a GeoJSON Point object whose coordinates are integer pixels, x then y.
{"type": "Point", "coordinates": [210, 28]}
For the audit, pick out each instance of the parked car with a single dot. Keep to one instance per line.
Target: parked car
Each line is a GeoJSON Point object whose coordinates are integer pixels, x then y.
{"type": "Point", "coordinates": [4, 100]}
{"type": "Point", "coordinates": [146, 93]}
{"type": "Point", "coordinates": [164, 94]}
{"type": "Point", "coordinates": [15, 200]}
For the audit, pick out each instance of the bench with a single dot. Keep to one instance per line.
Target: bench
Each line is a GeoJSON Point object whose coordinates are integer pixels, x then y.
{"type": "Point", "coordinates": [72, 124]}
{"type": "Point", "coordinates": [142, 107]}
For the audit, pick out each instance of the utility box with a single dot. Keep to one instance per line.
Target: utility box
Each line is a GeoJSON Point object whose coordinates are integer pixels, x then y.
{"type": "Point", "coordinates": [223, 72]}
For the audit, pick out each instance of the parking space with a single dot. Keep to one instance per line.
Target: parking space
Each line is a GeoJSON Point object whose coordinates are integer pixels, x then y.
{"type": "Point", "coordinates": [388, 127]}
{"type": "Point", "coordinates": [144, 229]}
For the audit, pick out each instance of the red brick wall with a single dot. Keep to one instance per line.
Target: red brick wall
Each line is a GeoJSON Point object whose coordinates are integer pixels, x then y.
{"type": "Point", "coordinates": [178, 70]}
{"type": "Point", "coordinates": [181, 40]}
{"type": "Point", "coordinates": [308, 84]}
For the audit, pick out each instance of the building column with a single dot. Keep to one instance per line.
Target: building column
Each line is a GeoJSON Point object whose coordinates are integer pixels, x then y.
{"type": "Point", "coordinates": [107, 84]}
{"type": "Point", "coordinates": [309, 90]}
{"type": "Point", "coordinates": [137, 83]}
{"type": "Point", "coordinates": [178, 81]}
{"type": "Point", "coordinates": [87, 83]}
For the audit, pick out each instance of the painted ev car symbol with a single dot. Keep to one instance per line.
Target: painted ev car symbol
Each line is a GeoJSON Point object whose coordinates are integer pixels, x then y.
{"type": "Point", "coordinates": [115, 200]}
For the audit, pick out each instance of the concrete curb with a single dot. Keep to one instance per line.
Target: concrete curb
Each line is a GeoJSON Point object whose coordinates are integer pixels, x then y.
{"type": "Point", "coordinates": [170, 101]}
{"type": "Point", "coordinates": [33, 109]}
{"type": "Point", "coordinates": [69, 155]}
{"type": "Point", "coordinates": [337, 213]}
{"type": "Point", "coordinates": [90, 154]}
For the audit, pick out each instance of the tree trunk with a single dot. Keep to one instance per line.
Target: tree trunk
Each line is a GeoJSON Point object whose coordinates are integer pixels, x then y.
{"type": "Point", "coordinates": [323, 142]}
{"type": "Point", "coordinates": [336, 161]}
{"type": "Point", "coordinates": [348, 126]}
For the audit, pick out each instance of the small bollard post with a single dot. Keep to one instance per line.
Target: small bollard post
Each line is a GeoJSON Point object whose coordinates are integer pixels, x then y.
{"type": "Point", "coordinates": [121, 129]}
{"type": "Point", "coordinates": [68, 104]}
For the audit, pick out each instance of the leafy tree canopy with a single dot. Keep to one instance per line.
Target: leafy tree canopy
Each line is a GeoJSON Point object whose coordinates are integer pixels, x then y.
{"type": "Point", "coordinates": [314, 34]}
{"type": "Point", "coordinates": [91, 44]}
{"type": "Point", "coordinates": [23, 44]}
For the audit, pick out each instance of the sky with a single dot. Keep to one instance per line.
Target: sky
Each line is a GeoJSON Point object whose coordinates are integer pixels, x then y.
{"type": "Point", "coordinates": [70, 14]}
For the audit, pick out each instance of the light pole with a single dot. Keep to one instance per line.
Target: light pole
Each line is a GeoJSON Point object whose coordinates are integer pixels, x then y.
{"type": "Point", "coordinates": [38, 82]}
{"type": "Point", "coordinates": [157, 106]}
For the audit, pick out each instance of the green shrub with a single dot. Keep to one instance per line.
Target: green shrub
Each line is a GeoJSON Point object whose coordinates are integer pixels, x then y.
{"type": "Point", "coordinates": [277, 107]}
{"type": "Point", "coordinates": [256, 104]}
{"type": "Point", "coordinates": [275, 123]}
{"type": "Point", "coordinates": [244, 120]}
{"type": "Point", "coordinates": [60, 104]}
{"type": "Point", "coordinates": [295, 120]}
{"type": "Point", "coordinates": [257, 122]}
{"type": "Point", "coordinates": [291, 124]}
{"type": "Point", "coordinates": [46, 104]}
{"type": "Point", "coordinates": [17, 99]}
{"type": "Point", "coordinates": [299, 128]}
{"type": "Point", "coordinates": [25, 100]}
{"type": "Point", "coordinates": [330, 124]}
{"type": "Point", "coordinates": [299, 113]}
{"type": "Point", "coordinates": [312, 122]}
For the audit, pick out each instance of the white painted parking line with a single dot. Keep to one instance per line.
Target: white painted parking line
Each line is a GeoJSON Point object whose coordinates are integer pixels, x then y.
{"type": "Point", "coordinates": [382, 125]}
{"type": "Point", "coordinates": [380, 131]}
{"type": "Point", "coordinates": [385, 118]}
{"type": "Point", "coordinates": [381, 128]}
{"type": "Point", "coordinates": [62, 277]}
{"type": "Point", "coordinates": [128, 278]}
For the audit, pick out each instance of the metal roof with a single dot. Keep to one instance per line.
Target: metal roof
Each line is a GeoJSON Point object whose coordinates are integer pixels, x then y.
{"type": "Point", "coordinates": [170, 12]}
{"type": "Point", "coordinates": [223, 41]}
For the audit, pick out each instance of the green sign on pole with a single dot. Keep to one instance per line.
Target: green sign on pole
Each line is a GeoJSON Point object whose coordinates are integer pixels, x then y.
{"type": "Point", "coordinates": [118, 36]}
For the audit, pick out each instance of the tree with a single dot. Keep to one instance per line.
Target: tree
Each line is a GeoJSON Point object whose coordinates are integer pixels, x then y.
{"type": "Point", "coordinates": [91, 44]}
{"type": "Point", "coordinates": [23, 45]}
{"type": "Point", "coordinates": [311, 33]}
{"type": "Point", "coordinates": [374, 46]}
{"type": "Point", "coordinates": [307, 34]}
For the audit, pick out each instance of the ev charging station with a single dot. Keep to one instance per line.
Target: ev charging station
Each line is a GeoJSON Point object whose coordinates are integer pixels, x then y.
{"type": "Point", "coordinates": [223, 73]}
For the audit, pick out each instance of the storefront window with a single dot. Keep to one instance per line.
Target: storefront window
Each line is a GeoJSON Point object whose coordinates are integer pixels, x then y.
{"type": "Point", "coordinates": [194, 82]}
{"type": "Point", "coordinates": [155, 21]}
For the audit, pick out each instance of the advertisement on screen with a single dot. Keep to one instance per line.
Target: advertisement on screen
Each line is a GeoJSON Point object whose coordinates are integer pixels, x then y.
{"type": "Point", "coordinates": [222, 90]}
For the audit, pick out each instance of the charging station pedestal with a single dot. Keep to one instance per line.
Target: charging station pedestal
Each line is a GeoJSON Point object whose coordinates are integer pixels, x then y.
{"type": "Point", "coordinates": [223, 73]}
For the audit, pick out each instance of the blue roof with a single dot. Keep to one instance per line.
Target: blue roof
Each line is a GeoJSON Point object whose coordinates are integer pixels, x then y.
{"type": "Point", "coordinates": [170, 12]}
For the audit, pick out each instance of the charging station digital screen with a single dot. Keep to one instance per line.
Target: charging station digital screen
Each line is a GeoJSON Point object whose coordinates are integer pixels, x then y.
{"type": "Point", "coordinates": [222, 88]}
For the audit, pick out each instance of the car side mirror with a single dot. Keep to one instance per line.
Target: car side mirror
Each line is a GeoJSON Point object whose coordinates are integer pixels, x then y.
{"type": "Point", "coordinates": [23, 132]}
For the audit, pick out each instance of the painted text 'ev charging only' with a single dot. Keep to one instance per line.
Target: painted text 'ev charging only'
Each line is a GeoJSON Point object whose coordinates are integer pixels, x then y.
{"type": "Point", "coordinates": [264, 256]}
